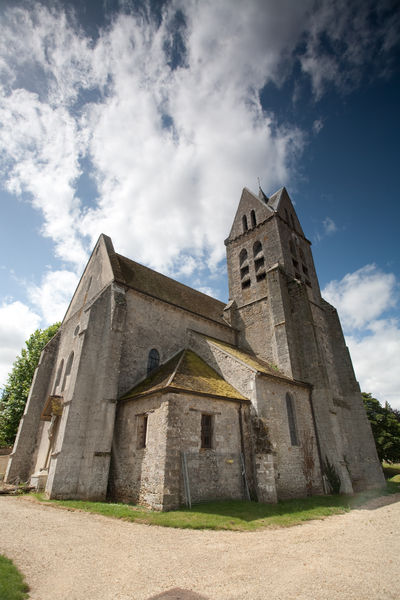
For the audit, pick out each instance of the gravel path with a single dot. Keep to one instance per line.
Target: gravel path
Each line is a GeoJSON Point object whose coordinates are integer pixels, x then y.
{"type": "Point", "coordinates": [67, 555]}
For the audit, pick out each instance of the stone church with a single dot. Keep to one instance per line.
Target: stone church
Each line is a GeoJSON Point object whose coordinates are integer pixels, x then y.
{"type": "Point", "coordinates": [154, 393]}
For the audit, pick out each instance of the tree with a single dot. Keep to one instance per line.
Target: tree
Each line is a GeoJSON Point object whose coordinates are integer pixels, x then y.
{"type": "Point", "coordinates": [16, 390]}
{"type": "Point", "coordinates": [385, 428]}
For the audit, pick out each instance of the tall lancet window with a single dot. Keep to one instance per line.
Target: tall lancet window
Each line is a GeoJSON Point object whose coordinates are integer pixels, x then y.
{"type": "Point", "coordinates": [244, 223]}
{"type": "Point", "coordinates": [253, 218]}
{"type": "Point", "coordinates": [244, 269]}
{"type": "Point", "coordinates": [153, 360]}
{"type": "Point", "coordinates": [294, 440]}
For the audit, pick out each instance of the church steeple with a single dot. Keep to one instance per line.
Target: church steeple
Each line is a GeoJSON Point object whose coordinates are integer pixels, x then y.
{"type": "Point", "coordinates": [267, 253]}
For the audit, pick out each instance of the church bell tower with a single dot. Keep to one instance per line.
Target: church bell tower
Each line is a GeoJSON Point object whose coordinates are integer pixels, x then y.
{"type": "Point", "coordinates": [277, 309]}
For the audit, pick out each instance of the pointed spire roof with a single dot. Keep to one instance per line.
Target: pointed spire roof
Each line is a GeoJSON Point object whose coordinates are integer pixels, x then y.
{"type": "Point", "coordinates": [276, 198]}
{"type": "Point", "coordinates": [263, 197]}
{"type": "Point", "coordinates": [186, 372]}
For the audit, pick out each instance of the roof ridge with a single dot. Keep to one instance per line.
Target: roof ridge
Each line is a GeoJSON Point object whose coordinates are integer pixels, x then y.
{"type": "Point", "coordinates": [173, 374]}
{"type": "Point", "coordinates": [169, 278]}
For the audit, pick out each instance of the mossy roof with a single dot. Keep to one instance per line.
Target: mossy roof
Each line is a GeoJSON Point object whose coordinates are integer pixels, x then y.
{"type": "Point", "coordinates": [186, 372]}
{"type": "Point", "coordinates": [147, 281]}
{"type": "Point", "coordinates": [249, 359]}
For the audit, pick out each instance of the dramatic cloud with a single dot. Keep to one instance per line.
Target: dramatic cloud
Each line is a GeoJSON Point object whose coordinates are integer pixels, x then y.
{"type": "Point", "coordinates": [363, 298]}
{"type": "Point", "coordinates": [166, 116]}
{"type": "Point", "coordinates": [343, 37]}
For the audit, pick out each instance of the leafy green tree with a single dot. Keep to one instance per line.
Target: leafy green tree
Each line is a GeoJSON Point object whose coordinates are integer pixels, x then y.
{"type": "Point", "coordinates": [385, 428]}
{"type": "Point", "coordinates": [15, 393]}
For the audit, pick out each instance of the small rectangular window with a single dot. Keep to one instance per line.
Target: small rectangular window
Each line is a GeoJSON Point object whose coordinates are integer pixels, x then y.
{"type": "Point", "coordinates": [244, 271]}
{"type": "Point", "coordinates": [141, 431]}
{"type": "Point", "coordinates": [206, 431]}
{"type": "Point", "coordinates": [260, 276]}
{"type": "Point", "coordinates": [246, 284]}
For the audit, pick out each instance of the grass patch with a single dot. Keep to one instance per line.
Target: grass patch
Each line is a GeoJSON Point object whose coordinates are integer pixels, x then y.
{"type": "Point", "coordinates": [390, 470]}
{"type": "Point", "coordinates": [12, 585]}
{"type": "Point", "coordinates": [232, 515]}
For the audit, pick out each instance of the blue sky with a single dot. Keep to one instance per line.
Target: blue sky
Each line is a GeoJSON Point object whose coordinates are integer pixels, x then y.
{"type": "Point", "coordinates": [144, 120]}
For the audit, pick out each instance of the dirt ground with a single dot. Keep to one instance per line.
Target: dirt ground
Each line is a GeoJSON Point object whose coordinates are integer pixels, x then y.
{"type": "Point", "coordinates": [67, 555]}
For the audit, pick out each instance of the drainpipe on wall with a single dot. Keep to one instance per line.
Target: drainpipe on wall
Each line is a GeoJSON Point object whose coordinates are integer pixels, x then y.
{"type": "Point", "coordinates": [242, 446]}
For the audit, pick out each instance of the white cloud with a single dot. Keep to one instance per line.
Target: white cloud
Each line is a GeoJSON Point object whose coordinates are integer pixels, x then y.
{"type": "Point", "coordinates": [342, 37]}
{"type": "Point", "coordinates": [52, 297]}
{"type": "Point", "coordinates": [329, 226]}
{"type": "Point", "coordinates": [317, 126]}
{"type": "Point", "coordinates": [42, 146]}
{"type": "Point", "coordinates": [17, 322]}
{"type": "Point", "coordinates": [362, 296]}
{"type": "Point", "coordinates": [362, 299]}
{"type": "Point", "coordinates": [376, 361]}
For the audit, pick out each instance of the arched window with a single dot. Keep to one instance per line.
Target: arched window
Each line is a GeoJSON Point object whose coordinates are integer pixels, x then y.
{"type": "Point", "coordinates": [244, 269]}
{"type": "Point", "coordinates": [58, 378]}
{"type": "Point", "coordinates": [244, 222]}
{"type": "Point", "coordinates": [253, 218]}
{"type": "Point", "coordinates": [153, 360]}
{"type": "Point", "coordinates": [67, 370]}
{"type": "Point", "coordinates": [292, 220]}
{"type": "Point", "coordinates": [292, 247]}
{"type": "Point", "coordinates": [257, 249]}
{"type": "Point", "coordinates": [287, 216]}
{"type": "Point", "coordinates": [291, 420]}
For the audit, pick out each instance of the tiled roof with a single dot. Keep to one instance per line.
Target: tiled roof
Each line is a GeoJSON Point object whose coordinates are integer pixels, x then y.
{"type": "Point", "coordinates": [186, 372]}
{"type": "Point", "coordinates": [155, 284]}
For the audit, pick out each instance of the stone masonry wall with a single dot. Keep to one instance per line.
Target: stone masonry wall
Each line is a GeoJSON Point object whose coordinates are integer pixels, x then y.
{"type": "Point", "coordinates": [213, 473]}
{"type": "Point", "coordinates": [137, 474]}
{"type": "Point", "coordinates": [23, 457]}
{"type": "Point", "coordinates": [153, 475]}
{"type": "Point", "coordinates": [80, 463]}
{"type": "Point", "coordinates": [268, 397]}
{"type": "Point", "coordinates": [152, 323]}
{"type": "Point", "coordinates": [290, 460]}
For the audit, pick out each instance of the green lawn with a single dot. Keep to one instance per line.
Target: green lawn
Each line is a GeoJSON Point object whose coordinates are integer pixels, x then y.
{"type": "Point", "coordinates": [12, 585]}
{"type": "Point", "coordinates": [233, 514]}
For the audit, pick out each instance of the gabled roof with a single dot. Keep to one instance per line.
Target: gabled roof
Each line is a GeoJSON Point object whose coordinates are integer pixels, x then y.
{"type": "Point", "coordinates": [186, 372]}
{"type": "Point", "coordinates": [147, 281]}
{"type": "Point", "coordinates": [262, 367]}
{"type": "Point", "coordinates": [248, 359]}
